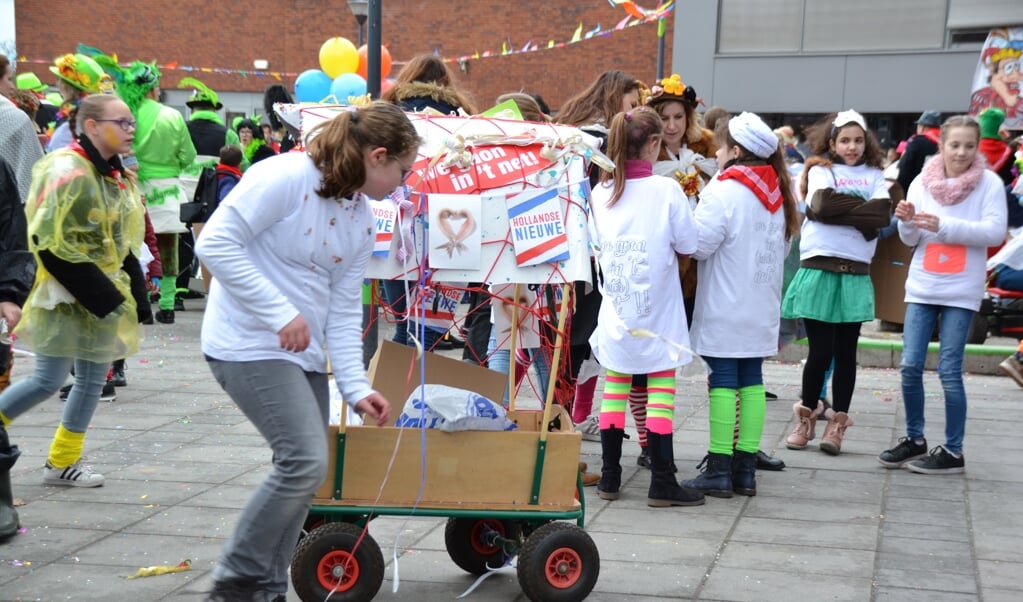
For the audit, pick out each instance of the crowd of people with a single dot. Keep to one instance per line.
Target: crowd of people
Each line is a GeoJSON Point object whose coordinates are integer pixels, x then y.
{"type": "Point", "coordinates": [713, 231]}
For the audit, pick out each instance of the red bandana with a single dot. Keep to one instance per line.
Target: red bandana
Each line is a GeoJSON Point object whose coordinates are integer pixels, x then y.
{"type": "Point", "coordinates": [761, 179]}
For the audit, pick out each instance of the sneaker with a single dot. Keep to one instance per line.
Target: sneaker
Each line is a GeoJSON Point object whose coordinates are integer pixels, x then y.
{"type": "Point", "coordinates": [232, 591]}
{"type": "Point", "coordinates": [109, 393]}
{"type": "Point", "coordinates": [1011, 368]}
{"type": "Point", "coordinates": [165, 316]}
{"type": "Point", "coordinates": [906, 451]}
{"type": "Point", "coordinates": [939, 461]}
{"type": "Point", "coordinates": [590, 428]}
{"type": "Point", "coordinates": [76, 475]}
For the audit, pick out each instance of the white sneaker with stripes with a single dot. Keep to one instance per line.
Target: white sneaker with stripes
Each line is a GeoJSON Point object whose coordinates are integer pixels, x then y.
{"type": "Point", "coordinates": [76, 475]}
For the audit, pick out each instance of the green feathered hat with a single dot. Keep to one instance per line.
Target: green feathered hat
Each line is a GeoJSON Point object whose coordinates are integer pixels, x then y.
{"type": "Point", "coordinates": [133, 82]}
{"type": "Point", "coordinates": [202, 96]}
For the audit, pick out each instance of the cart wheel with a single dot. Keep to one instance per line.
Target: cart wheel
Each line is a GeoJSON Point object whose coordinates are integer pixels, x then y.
{"type": "Point", "coordinates": [311, 522]}
{"type": "Point", "coordinates": [326, 562]}
{"type": "Point", "coordinates": [558, 563]}
{"type": "Point", "coordinates": [469, 545]}
{"type": "Point", "coordinates": [978, 330]}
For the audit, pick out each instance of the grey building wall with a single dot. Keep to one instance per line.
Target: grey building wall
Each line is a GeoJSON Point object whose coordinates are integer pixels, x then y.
{"type": "Point", "coordinates": [881, 83]}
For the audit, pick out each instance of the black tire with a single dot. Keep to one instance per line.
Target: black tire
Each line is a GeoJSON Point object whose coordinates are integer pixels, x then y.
{"type": "Point", "coordinates": [466, 542]}
{"type": "Point", "coordinates": [978, 330]}
{"type": "Point", "coordinates": [327, 550]}
{"type": "Point", "coordinates": [558, 563]}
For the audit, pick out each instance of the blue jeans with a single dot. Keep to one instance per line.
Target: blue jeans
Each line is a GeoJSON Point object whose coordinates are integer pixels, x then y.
{"type": "Point", "coordinates": [289, 407]}
{"type": "Point", "coordinates": [734, 372]}
{"type": "Point", "coordinates": [500, 358]}
{"type": "Point", "coordinates": [47, 379]}
{"type": "Point", "coordinates": [955, 325]}
{"type": "Point", "coordinates": [394, 296]}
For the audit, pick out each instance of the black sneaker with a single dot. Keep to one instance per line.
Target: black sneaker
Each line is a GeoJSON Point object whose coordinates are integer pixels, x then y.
{"type": "Point", "coordinates": [108, 393]}
{"type": "Point", "coordinates": [905, 451]}
{"type": "Point", "coordinates": [232, 591]}
{"type": "Point", "coordinates": [117, 377]}
{"type": "Point", "coordinates": [165, 316]}
{"type": "Point", "coordinates": [939, 461]}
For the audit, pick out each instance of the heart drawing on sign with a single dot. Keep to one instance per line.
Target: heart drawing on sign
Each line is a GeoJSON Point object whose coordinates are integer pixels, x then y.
{"type": "Point", "coordinates": [456, 226]}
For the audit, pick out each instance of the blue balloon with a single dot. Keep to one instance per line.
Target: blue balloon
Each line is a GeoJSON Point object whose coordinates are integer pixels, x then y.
{"type": "Point", "coordinates": [347, 84]}
{"type": "Point", "coordinates": [312, 85]}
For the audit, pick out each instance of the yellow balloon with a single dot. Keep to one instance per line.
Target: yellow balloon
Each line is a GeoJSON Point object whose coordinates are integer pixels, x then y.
{"type": "Point", "coordinates": [337, 56]}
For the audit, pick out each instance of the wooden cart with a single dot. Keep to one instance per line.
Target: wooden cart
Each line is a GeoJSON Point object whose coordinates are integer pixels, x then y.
{"type": "Point", "coordinates": [503, 493]}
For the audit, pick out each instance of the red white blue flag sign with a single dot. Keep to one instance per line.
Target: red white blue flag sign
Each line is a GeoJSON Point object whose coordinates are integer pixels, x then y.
{"type": "Point", "coordinates": [537, 227]}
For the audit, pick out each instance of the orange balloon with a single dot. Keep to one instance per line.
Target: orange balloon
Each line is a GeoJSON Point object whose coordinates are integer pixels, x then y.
{"type": "Point", "coordinates": [385, 61]}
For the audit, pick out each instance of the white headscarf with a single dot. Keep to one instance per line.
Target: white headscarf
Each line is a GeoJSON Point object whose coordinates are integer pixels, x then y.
{"type": "Point", "coordinates": [753, 134]}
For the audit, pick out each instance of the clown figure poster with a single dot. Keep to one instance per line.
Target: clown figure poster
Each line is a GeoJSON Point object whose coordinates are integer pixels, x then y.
{"type": "Point", "coordinates": [455, 239]}
{"type": "Point", "coordinates": [503, 303]}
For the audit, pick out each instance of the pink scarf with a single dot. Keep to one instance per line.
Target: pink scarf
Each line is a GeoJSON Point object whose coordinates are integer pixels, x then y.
{"type": "Point", "coordinates": [950, 192]}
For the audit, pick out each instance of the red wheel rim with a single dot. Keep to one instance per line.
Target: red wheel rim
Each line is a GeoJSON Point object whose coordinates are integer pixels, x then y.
{"type": "Point", "coordinates": [337, 563]}
{"type": "Point", "coordinates": [563, 568]}
{"type": "Point", "coordinates": [479, 530]}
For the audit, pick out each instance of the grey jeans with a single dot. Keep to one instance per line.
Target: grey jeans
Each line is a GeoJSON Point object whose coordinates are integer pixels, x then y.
{"type": "Point", "coordinates": [289, 407]}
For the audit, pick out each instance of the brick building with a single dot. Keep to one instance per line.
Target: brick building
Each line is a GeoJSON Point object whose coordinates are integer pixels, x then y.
{"type": "Point", "coordinates": [229, 36]}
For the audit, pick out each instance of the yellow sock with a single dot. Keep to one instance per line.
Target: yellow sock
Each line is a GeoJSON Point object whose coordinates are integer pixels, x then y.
{"type": "Point", "coordinates": [5, 420]}
{"type": "Point", "coordinates": [66, 448]}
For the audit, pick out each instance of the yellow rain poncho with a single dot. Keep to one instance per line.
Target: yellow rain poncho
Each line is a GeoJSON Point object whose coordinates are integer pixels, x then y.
{"type": "Point", "coordinates": [80, 216]}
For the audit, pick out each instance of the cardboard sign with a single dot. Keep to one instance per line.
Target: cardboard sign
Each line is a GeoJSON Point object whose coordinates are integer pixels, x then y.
{"type": "Point", "coordinates": [537, 228]}
{"type": "Point", "coordinates": [492, 167]}
{"type": "Point", "coordinates": [434, 306]}
{"type": "Point", "coordinates": [385, 220]}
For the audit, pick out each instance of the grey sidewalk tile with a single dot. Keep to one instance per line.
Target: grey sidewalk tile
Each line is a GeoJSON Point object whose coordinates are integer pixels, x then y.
{"type": "Point", "coordinates": [782, 531]}
{"type": "Point", "coordinates": [1001, 595]}
{"type": "Point", "coordinates": [992, 543]}
{"type": "Point", "coordinates": [915, 489]}
{"type": "Point", "coordinates": [143, 494]}
{"type": "Point", "coordinates": [232, 497]}
{"type": "Point", "coordinates": [830, 559]}
{"type": "Point", "coordinates": [993, 471]}
{"type": "Point", "coordinates": [40, 544]}
{"type": "Point", "coordinates": [189, 522]}
{"type": "Point", "coordinates": [923, 558]}
{"type": "Point", "coordinates": [100, 516]}
{"type": "Point", "coordinates": [812, 510]}
{"type": "Point", "coordinates": [898, 594]}
{"type": "Point", "coordinates": [91, 583]}
{"type": "Point", "coordinates": [928, 579]}
{"type": "Point", "coordinates": [647, 580]}
{"type": "Point", "coordinates": [666, 522]}
{"type": "Point", "coordinates": [626, 547]}
{"type": "Point", "coordinates": [1000, 574]}
{"type": "Point", "coordinates": [941, 533]}
{"type": "Point", "coordinates": [161, 469]}
{"type": "Point", "coordinates": [138, 551]}
{"type": "Point", "coordinates": [952, 504]}
{"type": "Point", "coordinates": [757, 585]}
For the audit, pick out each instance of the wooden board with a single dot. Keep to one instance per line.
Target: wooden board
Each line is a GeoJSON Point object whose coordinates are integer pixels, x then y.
{"type": "Point", "coordinates": [467, 470]}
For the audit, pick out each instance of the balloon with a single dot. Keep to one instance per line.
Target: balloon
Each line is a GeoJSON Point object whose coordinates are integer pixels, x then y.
{"type": "Point", "coordinates": [385, 62]}
{"type": "Point", "coordinates": [312, 85]}
{"type": "Point", "coordinates": [347, 84]}
{"type": "Point", "coordinates": [386, 84]}
{"type": "Point", "coordinates": [337, 56]}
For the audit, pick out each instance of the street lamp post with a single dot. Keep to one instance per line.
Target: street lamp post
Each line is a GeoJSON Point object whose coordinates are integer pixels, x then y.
{"type": "Point", "coordinates": [359, 8]}
{"type": "Point", "coordinates": [375, 41]}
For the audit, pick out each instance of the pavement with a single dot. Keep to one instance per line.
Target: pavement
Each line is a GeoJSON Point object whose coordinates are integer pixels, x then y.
{"type": "Point", "coordinates": [181, 461]}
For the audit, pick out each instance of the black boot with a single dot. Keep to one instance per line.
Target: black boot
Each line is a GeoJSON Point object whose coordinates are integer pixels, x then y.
{"type": "Point", "coordinates": [117, 376]}
{"type": "Point", "coordinates": [8, 515]}
{"type": "Point", "coordinates": [744, 473]}
{"type": "Point", "coordinates": [664, 489]}
{"type": "Point", "coordinates": [766, 462]}
{"type": "Point", "coordinates": [716, 477]}
{"type": "Point", "coordinates": [611, 469]}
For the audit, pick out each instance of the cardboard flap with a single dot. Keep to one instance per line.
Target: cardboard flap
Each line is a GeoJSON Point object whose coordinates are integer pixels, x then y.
{"type": "Point", "coordinates": [394, 373]}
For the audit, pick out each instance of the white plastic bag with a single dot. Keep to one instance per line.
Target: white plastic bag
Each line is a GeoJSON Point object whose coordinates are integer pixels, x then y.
{"type": "Point", "coordinates": [452, 409]}
{"type": "Point", "coordinates": [335, 408]}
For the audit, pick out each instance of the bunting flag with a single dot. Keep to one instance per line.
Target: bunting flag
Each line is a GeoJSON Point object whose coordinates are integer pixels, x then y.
{"type": "Point", "coordinates": [277, 75]}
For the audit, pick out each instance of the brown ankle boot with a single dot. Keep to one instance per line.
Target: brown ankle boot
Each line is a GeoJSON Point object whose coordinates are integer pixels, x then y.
{"type": "Point", "coordinates": [804, 431]}
{"type": "Point", "coordinates": [834, 432]}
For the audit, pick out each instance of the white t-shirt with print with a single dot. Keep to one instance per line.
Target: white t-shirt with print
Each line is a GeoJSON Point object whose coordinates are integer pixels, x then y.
{"type": "Point", "coordinates": [826, 240]}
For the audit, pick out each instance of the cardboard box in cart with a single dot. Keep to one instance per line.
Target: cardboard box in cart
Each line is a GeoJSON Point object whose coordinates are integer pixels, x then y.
{"type": "Point", "coordinates": [888, 271]}
{"type": "Point", "coordinates": [464, 470]}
